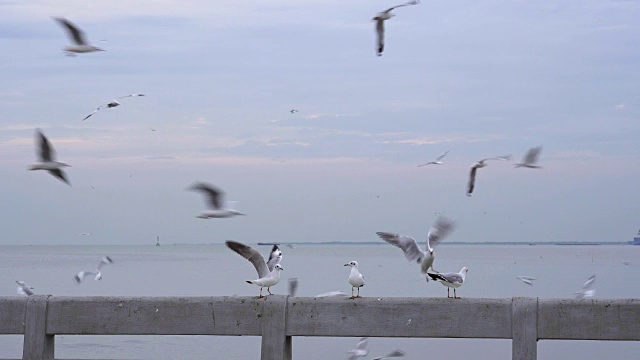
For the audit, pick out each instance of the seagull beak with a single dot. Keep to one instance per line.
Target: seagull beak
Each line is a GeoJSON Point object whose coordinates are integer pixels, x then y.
{"type": "Point", "coordinates": [347, 264]}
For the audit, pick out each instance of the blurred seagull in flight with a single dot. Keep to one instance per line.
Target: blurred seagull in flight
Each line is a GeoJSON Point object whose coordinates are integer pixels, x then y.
{"type": "Point", "coordinates": [268, 272]}
{"type": "Point", "coordinates": [110, 105]}
{"type": "Point", "coordinates": [214, 197]}
{"type": "Point", "coordinates": [394, 354]}
{"type": "Point", "coordinates": [587, 290]}
{"type": "Point", "coordinates": [437, 161]}
{"type": "Point", "coordinates": [355, 278]}
{"type": "Point", "coordinates": [530, 158]}
{"type": "Point", "coordinates": [293, 286]}
{"type": "Point", "coordinates": [360, 350]}
{"type": "Point", "coordinates": [293, 111]}
{"type": "Point", "coordinates": [442, 228]}
{"type": "Point", "coordinates": [48, 158]}
{"type": "Point", "coordinates": [526, 279]}
{"type": "Point", "coordinates": [476, 166]}
{"type": "Point", "coordinates": [380, 19]}
{"type": "Point", "coordinates": [23, 288]}
{"type": "Point", "coordinates": [97, 275]}
{"type": "Point", "coordinates": [331, 294]}
{"type": "Point", "coordinates": [77, 36]}
{"type": "Point", "coordinates": [451, 280]}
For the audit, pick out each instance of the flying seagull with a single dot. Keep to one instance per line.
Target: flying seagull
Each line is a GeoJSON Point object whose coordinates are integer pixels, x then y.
{"type": "Point", "coordinates": [530, 158]}
{"type": "Point", "coordinates": [360, 350]}
{"type": "Point", "coordinates": [47, 157]}
{"type": "Point", "coordinates": [214, 197]}
{"type": "Point", "coordinates": [110, 105]}
{"type": "Point", "coordinates": [97, 275]}
{"type": "Point", "coordinates": [331, 294]}
{"type": "Point", "coordinates": [587, 290]}
{"type": "Point", "coordinates": [451, 280]}
{"type": "Point", "coordinates": [476, 166]}
{"type": "Point", "coordinates": [293, 286]}
{"type": "Point", "coordinates": [355, 278]}
{"type": "Point", "coordinates": [526, 279]}
{"type": "Point", "coordinates": [23, 288]}
{"type": "Point", "coordinates": [386, 15]}
{"type": "Point", "coordinates": [77, 36]}
{"type": "Point", "coordinates": [293, 111]}
{"type": "Point", "coordinates": [268, 272]}
{"type": "Point", "coordinates": [412, 251]}
{"type": "Point", "coordinates": [394, 354]}
{"type": "Point", "coordinates": [437, 161]}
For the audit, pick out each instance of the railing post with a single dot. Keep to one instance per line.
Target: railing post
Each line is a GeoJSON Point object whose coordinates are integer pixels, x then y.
{"type": "Point", "coordinates": [524, 328]}
{"type": "Point", "coordinates": [37, 344]}
{"type": "Point", "coordinates": [275, 344]}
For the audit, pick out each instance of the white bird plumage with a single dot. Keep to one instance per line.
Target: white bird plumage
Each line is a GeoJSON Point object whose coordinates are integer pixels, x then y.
{"type": "Point", "coordinates": [356, 279]}
{"type": "Point", "coordinates": [381, 18]}
{"type": "Point", "coordinates": [23, 288]}
{"type": "Point", "coordinates": [451, 280]}
{"type": "Point", "coordinates": [214, 198]}
{"type": "Point", "coordinates": [97, 274]}
{"type": "Point", "coordinates": [47, 156]}
{"type": "Point", "coordinates": [480, 164]}
{"type": "Point", "coordinates": [111, 104]}
{"type": "Point", "coordinates": [360, 350]}
{"type": "Point", "coordinates": [268, 272]}
{"type": "Point", "coordinates": [587, 290]}
{"type": "Point", "coordinates": [530, 158]}
{"type": "Point", "coordinates": [526, 279]}
{"type": "Point", "coordinates": [437, 161]}
{"type": "Point", "coordinates": [77, 37]}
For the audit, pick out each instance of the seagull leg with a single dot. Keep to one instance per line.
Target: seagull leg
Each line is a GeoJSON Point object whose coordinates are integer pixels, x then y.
{"type": "Point", "coordinates": [352, 297]}
{"type": "Point", "coordinates": [448, 295]}
{"type": "Point", "coordinates": [269, 290]}
{"type": "Point", "coordinates": [260, 297]}
{"type": "Point", "coordinates": [358, 292]}
{"type": "Point", "coordinates": [454, 294]}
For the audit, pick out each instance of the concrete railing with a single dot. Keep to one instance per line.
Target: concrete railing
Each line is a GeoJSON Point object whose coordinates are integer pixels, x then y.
{"type": "Point", "coordinates": [278, 318]}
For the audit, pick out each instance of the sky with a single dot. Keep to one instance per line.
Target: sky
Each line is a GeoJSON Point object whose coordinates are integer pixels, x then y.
{"type": "Point", "coordinates": [481, 79]}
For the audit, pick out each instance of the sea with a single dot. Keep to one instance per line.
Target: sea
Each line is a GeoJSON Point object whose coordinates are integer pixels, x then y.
{"type": "Point", "coordinates": [214, 270]}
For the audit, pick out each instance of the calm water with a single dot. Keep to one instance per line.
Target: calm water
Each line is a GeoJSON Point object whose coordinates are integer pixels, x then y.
{"type": "Point", "coordinates": [211, 270]}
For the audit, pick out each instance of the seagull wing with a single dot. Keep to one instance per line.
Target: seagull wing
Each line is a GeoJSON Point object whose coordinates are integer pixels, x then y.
{"type": "Point", "coordinates": [589, 283]}
{"type": "Point", "coordinates": [442, 156]}
{"type": "Point", "coordinates": [332, 293]}
{"type": "Point", "coordinates": [380, 32]}
{"type": "Point", "coordinates": [252, 255]}
{"type": "Point", "coordinates": [60, 175]}
{"type": "Point", "coordinates": [132, 95]}
{"type": "Point", "coordinates": [94, 111]}
{"type": "Point", "coordinates": [362, 344]}
{"type": "Point", "coordinates": [452, 278]}
{"type": "Point", "coordinates": [74, 32]}
{"type": "Point", "coordinates": [79, 277]}
{"type": "Point", "coordinates": [394, 353]}
{"type": "Point", "coordinates": [531, 157]}
{"type": "Point", "coordinates": [213, 194]}
{"type": "Point", "coordinates": [407, 244]}
{"type": "Point", "coordinates": [47, 153]}
{"type": "Point", "coordinates": [472, 180]}
{"type": "Point", "coordinates": [24, 290]}
{"type": "Point", "coordinates": [439, 231]}
{"type": "Point", "coordinates": [104, 261]}
{"type": "Point", "coordinates": [409, 3]}
{"type": "Point", "coordinates": [274, 257]}
{"type": "Point", "coordinates": [504, 158]}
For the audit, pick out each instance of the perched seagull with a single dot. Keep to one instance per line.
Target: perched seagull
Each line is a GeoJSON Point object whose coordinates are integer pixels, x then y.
{"type": "Point", "coordinates": [112, 104]}
{"type": "Point", "coordinates": [587, 290]}
{"type": "Point", "coordinates": [360, 350]}
{"type": "Point", "coordinates": [526, 279]}
{"type": "Point", "coordinates": [23, 288]}
{"type": "Point", "coordinates": [437, 160]}
{"type": "Point", "coordinates": [476, 166]}
{"type": "Point", "coordinates": [386, 15]}
{"type": "Point", "coordinates": [331, 294]}
{"type": "Point", "coordinates": [214, 199]}
{"type": "Point", "coordinates": [394, 354]}
{"type": "Point", "coordinates": [293, 286]}
{"type": "Point", "coordinates": [293, 111]}
{"type": "Point", "coordinates": [268, 272]}
{"type": "Point", "coordinates": [451, 280]}
{"type": "Point", "coordinates": [530, 158]}
{"type": "Point", "coordinates": [48, 158]}
{"type": "Point", "coordinates": [355, 278]}
{"type": "Point", "coordinates": [412, 251]}
{"type": "Point", "coordinates": [77, 36]}
{"type": "Point", "coordinates": [79, 277]}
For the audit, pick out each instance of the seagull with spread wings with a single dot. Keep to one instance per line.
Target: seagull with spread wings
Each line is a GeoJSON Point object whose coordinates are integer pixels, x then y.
{"type": "Point", "coordinates": [380, 19]}
{"type": "Point", "coordinates": [437, 161]}
{"type": "Point", "coordinates": [214, 198]}
{"type": "Point", "coordinates": [97, 274]}
{"type": "Point", "coordinates": [268, 272]}
{"type": "Point", "coordinates": [587, 290]}
{"type": "Point", "coordinates": [77, 36]}
{"type": "Point", "coordinates": [440, 230]}
{"type": "Point", "coordinates": [47, 157]}
{"type": "Point", "coordinates": [480, 164]}
{"type": "Point", "coordinates": [110, 105]}
{"type": "Point", "coordinates": [360, 350]}
{"type": "Point", "coordinates": [530, 158]}
{"type": "Point", "coordinates": [23, 288]}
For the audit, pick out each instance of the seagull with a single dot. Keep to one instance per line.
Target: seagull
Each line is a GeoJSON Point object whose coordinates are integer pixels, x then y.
{"type": "Point", "coordinates": [526, 279]}
{"type": "Point", "coordinates": [85, 234]}
{"type": "Point", "coordinates": [293, 286]}
{"type": "Point", "coordinates": [23, 288]}
{"type": "Point", "coordinates": [268, 272]}
{"type": "Point", "coordinates": [451, 280]}
{"type": "Point", "coordinates": [79, 277]}
{"type": "Point", "coordinates": [77, 36]}
{"type": "Point", "coordinates": [331, 294]}
{"type": "Point", "coordinates": [476, 166]}
{"type": "Point", "coordinates": [412, 251]}
{"type": "Point", "coordinates": [293, 111]}
{"type": "Point", "coordinates": [360, 350]}
{"type": "Point", "coordinates": [530, 158]}
{"type": "Point", "coordinates": [394, 354]}
{"type": "Point", "coordinates": [437, 160]}
{"type": "Point", "coordinates": [587, 290]}
{"type": "Point", "coordinates": [112, 104]}
{"type": "Point", "coordinates": [386, 15]}
{"type": "Point", "coordinates": [48, 158]}
{"type": "Point", "coordinates": [214, 199]}
{"type": "Point", "coordinates": [355, 278]}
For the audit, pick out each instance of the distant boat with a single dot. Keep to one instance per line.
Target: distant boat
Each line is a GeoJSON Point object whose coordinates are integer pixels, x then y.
{"type": "Point", "coordinates": [636, 240]}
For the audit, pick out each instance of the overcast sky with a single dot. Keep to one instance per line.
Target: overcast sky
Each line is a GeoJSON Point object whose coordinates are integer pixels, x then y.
{"type": "Point", "coordinates": [479, 78]}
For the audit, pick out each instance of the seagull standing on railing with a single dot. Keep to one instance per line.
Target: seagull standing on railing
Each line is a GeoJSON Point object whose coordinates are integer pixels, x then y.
{"type": "Point", "coordinates": [355, 278]}
{"type": "Point", "coordinates": [451, 280]}
{"type": "Point", "coordinates": [47, 157]}
{"type": "Point", "coordinates": [79, 277]}
{"type": "Point", "coordinates": [77, 36]}
{"type": "Point", "coordinates": [268, 272]}
{"type": "Point", "coordinates": [214, 198]}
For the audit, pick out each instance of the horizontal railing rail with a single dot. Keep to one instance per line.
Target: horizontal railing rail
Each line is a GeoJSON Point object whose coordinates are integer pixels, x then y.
{"type": "Point", "coordinates": [279, 318]}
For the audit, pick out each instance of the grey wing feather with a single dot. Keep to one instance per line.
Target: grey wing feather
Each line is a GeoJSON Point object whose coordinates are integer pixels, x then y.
{"type": "Point", "coordinates": [76, 34]}
{"type": "Point", "coordinates": [472, 180]}
{"type": "Point", "coordinates": [293, 286]}
{"type": "Point", "coordinates": [380, 31]}
{"type": "Point", "coordinates": [408, 245]}
{"type": "Point", "coordinates": [531, 157]}
{"type": "Point", "coordinates": [413, 2]}
{"type": "Point", "coordinates": [60, 175]}
{"type": "Point", "coordinates": [104, 261]}
{"type": "Point", "coordinates": [439, 231]}
{"type": "Point", "coordinates": [131, 95]}
{"type": "Point", "coordinates": [394, 353]}
{"type": "Point", "coordinates": [47, 153]}
{"type": "Point", "coordinates": [274, 257]}
{"type": "Point", "coordinates": [79, 277]}
{"type": "Point", "coordinates": [442, 156]}
{"type": "Point", "coordinates": [589, 283]}
{"type": "Point", "coordinates": [362, 344]}
{"type": "Point", "coordinates": [453, 278]}
{"type": "Point", "coordinates": [213, 194]}
{"type": "Point", "coordinates": [252, 255]}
